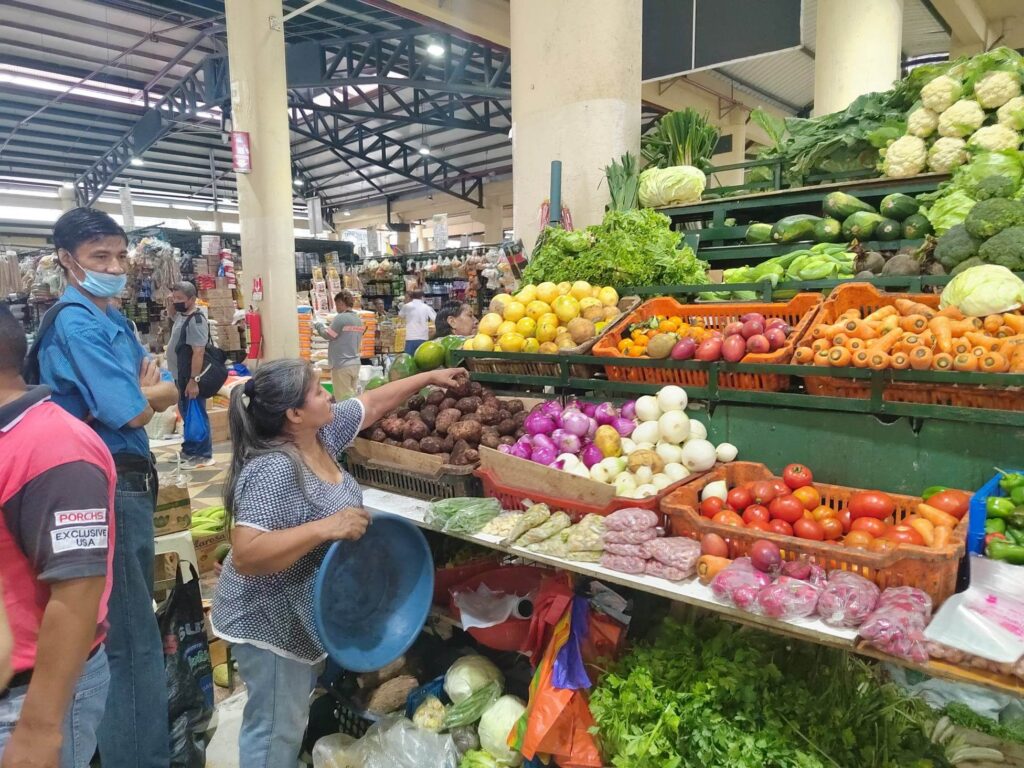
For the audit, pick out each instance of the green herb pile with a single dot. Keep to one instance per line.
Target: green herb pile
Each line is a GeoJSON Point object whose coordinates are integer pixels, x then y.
{"type": "Point", "coordinates": [463, 514]}
{"type": "Point", "coordinates": [628, 248]}
{"type": "Point", "coordinates": [708, 693]}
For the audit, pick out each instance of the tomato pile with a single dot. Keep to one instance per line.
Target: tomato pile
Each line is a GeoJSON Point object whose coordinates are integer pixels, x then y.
{"type": "Point", "coordinates": [793, 506]}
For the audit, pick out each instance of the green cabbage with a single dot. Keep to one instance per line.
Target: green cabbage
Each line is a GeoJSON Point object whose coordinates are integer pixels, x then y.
{"type": "Point", "coordinates": [496, 725]}
{"type": "Point", "coordinates": [478, 759]}
{"type": "Point", "coordinates": [984, 290]}
{"type": "Point", "coordinates": [468, 675]}
{"type": "Point", "coordinates": [671, 186]}
{"type": "Point", "coordinates": [949, 211]}
{"type": "Point", "coordinates": [1004, 163]}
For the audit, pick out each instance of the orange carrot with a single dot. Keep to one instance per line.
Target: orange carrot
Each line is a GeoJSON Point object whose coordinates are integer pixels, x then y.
{"type": "Point", "coordinates": [982, 340]}
{"type": "Point", "coordinates": [993, 362]}
{"type": "Point", "coordinates": [1011, 344]}
{"type": "Point", "coordinates": [943, 533]}
{"type": "Point", "coordinates": [840, 339]}
{"type": "Point", "coordinates": [960, 346]}
{"type": "Point", "coordinates": [886, 342]}
{"type": "Point", "coordinates": [1015, 320]}
{"type": "Point", "coordinates": [822, 331]}
{"type": "Point", "coordinates": [850, 313]}
{"type": "Point", "coordinates": [709, 565]}
{"type": "Point", "coordinates": [880, 314]}
{"type": "Point", "coordinates": [940, 326]}
{"type": "Point", "coordinates": [900, 361]}
{"type": "Point", "coordinates": [860, 329]}
{"type": "Point", "coordinates": [803, 355]}
{"type": "Point", "coordinates": [821, 345]}
{"type": "Point", "coordinates": [942, 362]}
{"type": "Point", "coordinates": [914, 323]}
{"type": "Point", "coordinates": [1004, 332]}
{"type": "Point", "coordinates": [906, 307]}
{"type": "Point", "coordinates": [926, 529]}
{"type": "Point", "coordinates": [936, 516]}
{"type": "Point", "coordinates": [861, 358]}
{"type": "Point", "coordinates": [839, 357]}
{"type": "Point", "coordinates": [878, 361]}
{"type": "Point", "coordinates": [965, 362]}
{"type": "Point", "coordinates": [921, 358]}
{"type": "Point", "coordinates": [992, 323]}
{"type": "Point", "coordinates": [854, 344]}
{"type": "Point", "coordinates": [821, 357]}
{"type": "Point", "coordinates": [951, 312]}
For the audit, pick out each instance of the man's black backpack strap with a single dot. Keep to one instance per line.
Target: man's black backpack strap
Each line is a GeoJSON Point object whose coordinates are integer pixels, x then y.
{"type": "Point", "coordinates": [30, 371]}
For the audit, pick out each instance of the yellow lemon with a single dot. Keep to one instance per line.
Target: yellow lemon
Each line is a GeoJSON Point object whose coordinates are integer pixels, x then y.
{"type": "Point", "coordinates": [608, 296]}
{"type": "Point", "coordinates": [548, 348]}
{"type": "Point", "coordinates": [526, 327]}
{"type": "Point", "coordinates": [489, 324]}
{"type": "Point", "coordinates": [498, 303]}
{"type": "Point", "coordinates": [580, 290]}
{"type": "Point", "coordinates": [511, 342]}
{"type": "Point", "coordinates": [515, 311]}
{"type": "Point", "coordinates": [564, 288]}
{"type": "Point", "coordinates": [531, 346]}
{"type": "Point", "coordinates": [527, 294]}
{"type": "Point", "coordinates": [468, 345]}
{"type": "Point", "coordinates": [547, 328]}
{"type": "Point", "coordinates": [588, 302]}
{"type": "Point", "coordinates": [507, 326]}
{"type": "Point", "coordinates": [483, 343]}
{"type": "Point", "coordinates": [599, 325]}
{"type": "Point", "coordinates": [536, 309]}
{"type": "Point", "coordinates": [567, 308]}
{"type": "Point", "coordinates": [547, 292]}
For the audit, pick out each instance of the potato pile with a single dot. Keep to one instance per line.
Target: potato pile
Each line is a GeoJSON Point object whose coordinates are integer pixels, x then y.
{"type": "Point", "coordinates": [452, 423]}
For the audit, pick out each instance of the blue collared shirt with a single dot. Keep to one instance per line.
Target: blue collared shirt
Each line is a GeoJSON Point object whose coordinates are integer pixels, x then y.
{"type": "Point", "coordinates": [91, 361]}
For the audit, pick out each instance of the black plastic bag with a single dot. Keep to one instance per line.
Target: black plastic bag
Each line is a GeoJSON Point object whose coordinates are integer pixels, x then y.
{"type": "Point", "coordinates": [189, 673]}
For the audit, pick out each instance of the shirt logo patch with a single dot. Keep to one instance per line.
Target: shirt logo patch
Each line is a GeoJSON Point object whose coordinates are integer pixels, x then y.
{"type": "Point", "coordinates": [79, 538]}
{"type": "Point", "coordinates": [79, 517]}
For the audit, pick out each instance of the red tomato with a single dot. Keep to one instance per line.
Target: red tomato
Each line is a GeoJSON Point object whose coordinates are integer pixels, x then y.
{"type": "Point", "coordinates": [858, 539]}
{"type": "Point", "coordinates": [870, 525]}
{"type": "Point", "coordinates": [757, 512]}
{"type": "Point", "coordinates": [739, 498]}
{"type": "Point", "coordinates": [787, 508]}
{"type": "Point", "coordinates": [808, 496]}
{"type": "Point", "coordinates": [822, 512]}
{"type": "Point", "coordinates": [797, 476]}
{"type": "Point", "coordinates": [832, 527]}
{"type": "Point", "coordinates": [809, 529]}
{"type": "Point", "coordinates": [904, 534]}
{"type": "Point", "coordinates": [953, 502]}
{"type": "Point", "coordinates": [728, 517]}
{"type": "Point", "coordinates": [844, 518]}
{"type": "Point", "coordinates": [764, 492]}
{"type": "Point", "coordinates": [759, 525]}
{"type": "Point", "coordinates": [781, 489]}
{"type": "Point", "coordinates": [711, 506]}
{"type": "Point", "coordinates": [713, 544]}
{"type": "Point", "coordinates": [781, 526]}
{"type": "Point", "coordinates": [871, 504]}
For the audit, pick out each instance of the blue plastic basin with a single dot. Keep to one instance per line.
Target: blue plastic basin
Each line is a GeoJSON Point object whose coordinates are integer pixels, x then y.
{"type": "Point", "coordinates": [372, 596]}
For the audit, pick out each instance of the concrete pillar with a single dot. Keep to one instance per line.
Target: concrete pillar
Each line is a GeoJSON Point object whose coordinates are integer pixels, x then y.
{"type": "Point", "coordinates": [491, 216]}
{"type": "Point", "coordinates": [575, 98]}
{"type": "Point", "coordinates": [402, 240]}
{"type": "Point", "coordinates": [67, 199]}
{"type": "Point", "coordinates": [853, 57]}
{"type": "Point", "coordinates": [259, 106]}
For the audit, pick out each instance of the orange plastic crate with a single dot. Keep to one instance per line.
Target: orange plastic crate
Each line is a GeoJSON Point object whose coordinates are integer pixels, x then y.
{"type": "Point", "coordinates": [799, 312]}
{"type": "Point", "coordinates": [931, 570]}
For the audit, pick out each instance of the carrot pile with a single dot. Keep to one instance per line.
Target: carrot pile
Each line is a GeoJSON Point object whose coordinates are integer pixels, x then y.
{"type": "Point", "coordinates": [908, 334]}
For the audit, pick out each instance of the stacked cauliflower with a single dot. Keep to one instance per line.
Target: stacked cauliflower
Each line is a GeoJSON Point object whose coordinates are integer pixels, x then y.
{"type": "Point", "coordinates": [949, 123]}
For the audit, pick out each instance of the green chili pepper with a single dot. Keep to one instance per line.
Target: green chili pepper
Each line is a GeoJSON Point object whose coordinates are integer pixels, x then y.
{"type": "Point", "coordinates": [995, 525]}
{"type": "Point", "coordinates": [1017, 495]}
{"type": "Point", "coordinates": [1015, 536]}
{"type": "Point", "coordinates": [999, 506]}
{"type": "Point", "coordinates": [931, 490]}
{"type": "Point", "coordinates": [1016, 519]}
{"type": "Point", "coordinates": [1006, 552]}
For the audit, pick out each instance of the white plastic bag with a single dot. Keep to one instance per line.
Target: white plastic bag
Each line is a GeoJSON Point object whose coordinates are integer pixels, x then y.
{"type": "Point", "coordinates": [392, 742]}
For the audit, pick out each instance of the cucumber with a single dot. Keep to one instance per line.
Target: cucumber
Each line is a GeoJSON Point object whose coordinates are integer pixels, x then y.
{"type": "Point", "coordinates": [861, 225]}
{"type": "Point", "coordinates": [898, 206]}
{"type": "Point", "coordinates": [840, 205]}
{"type": "Point", "coordinates": [828, 230]}
{"type": "Point", "coordinates": [792, 228]}
{"type": "Point", "coordinates": [916, 227]}
{"type": "Point", "coordinates": [759, 233]}
{"type": "Point", "coordinates": [888, 229]}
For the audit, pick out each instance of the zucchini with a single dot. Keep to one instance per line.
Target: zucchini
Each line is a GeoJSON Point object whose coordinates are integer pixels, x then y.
{"type": "Point", "coordinates": [888, 229]}
{"type": "Point", "coordinates": [840, 205]}
{"type": "Point", "coordinates": [759, 233]}
{"type": "Point", "coordinates": [898, 206]}
{"type": "Point", "coordinates": [792, 228]}
{"type": "Point", "coordinates": [861, 225]}
{"type": "Point", "coordinates": [916, 227]}
{"type": "Point", "coordinates": [828, 230]}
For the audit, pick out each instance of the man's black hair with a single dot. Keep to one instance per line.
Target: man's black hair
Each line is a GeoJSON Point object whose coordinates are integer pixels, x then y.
{"type": "Point", "coordinates": [81, 225]}
{"type": "Point", "coordinates": [13, 345]}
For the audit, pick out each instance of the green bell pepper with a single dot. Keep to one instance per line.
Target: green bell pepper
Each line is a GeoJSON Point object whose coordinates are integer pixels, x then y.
{"type": "Point", "coordinates": [1006, 552]}
{"type": "Point", "coordinates": [1015, 535]}
{"type": "Point", "coordinates": [931, 490]}
{"type": "Point", "coordinates": [1017, 495]}
{"type": "Point", "coordinates": [1011, 480]}
{"type": "Point", "coordinates": [995, 525]}
{"type": "Point", "coordinates": [999, 506]}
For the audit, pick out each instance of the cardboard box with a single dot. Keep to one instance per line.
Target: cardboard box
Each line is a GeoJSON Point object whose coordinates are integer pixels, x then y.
{"type": "Point", "coordinates": [173, 511]}
{"type": "Point", "coordinates": [206, 549]}
{"type": "Point", "coordinates": [219, 424]}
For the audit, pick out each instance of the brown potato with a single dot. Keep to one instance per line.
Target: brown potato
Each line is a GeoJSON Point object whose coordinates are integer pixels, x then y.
{"type": "Point", "coordinates": [468, 404]}
{"type": "Point", "coordinates": [431, 445]}
{"type": "Point", "coordinates": [415, 429]}
{"type": "Point", "coordinates": [475, 387]}
{"type": "Point", "coordinates": [394, 427]}
{"type": "Point", "coordinates": [514, 406]}
{"type": "Point", "coordinates": [506, 427]}
{"type": "Point", "coordinates": [378, 435]}
{"type": "Point", "coordinates": [411, 445]}
{"type": "Point", "coordinates": [429, 415]}
{"type": "Point", "coordinates": [490, 437]}
{"type": "Point", "coordinates": [448, 402]}
{"type": "Point", "coordinates": [469, 431]}
{"type": "Point", "coordinates": [445, 419]}
{"type": "Point", "coordinates": [416, 402]}
{"type": "Point", "coordinates": [488, 413]}
{"type": "Point", "coordinates": [436, 397]}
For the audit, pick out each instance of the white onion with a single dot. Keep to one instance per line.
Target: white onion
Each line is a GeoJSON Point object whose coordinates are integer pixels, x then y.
{"type": "Point", "coordinates": [669, 453]}
{"type": "Point", "coordinates": [624, 483]}
{"type": "Point", "coordinates": [698, 455]}
{"type": "Point", "coordinates": [627, 446]}
{"type": "Point", "coordinates": [674, 426]}
{"type": "Point", "coordinates": [569, 461]}
{"type": "Point", "coordinates": [717, 489]}
{"type": "Point", "coordinates": [672, 398]}
{"type": "Point", "coordinates": [726, 452]}
{"type": "Point", "coordinates": [643, 475]}
{"type": "Point", "coordinates": [697, 430]}
{"type": "Point", "coordinates": [647, 432]}
{"type": "Point", "coordinates": [643, 491]}
{"type": "Point", "coordinates": [647, 408]}
{"type": "Point", "coordinates": [661, 481]}
{"type": "Point", "coordinates": [676, 472]}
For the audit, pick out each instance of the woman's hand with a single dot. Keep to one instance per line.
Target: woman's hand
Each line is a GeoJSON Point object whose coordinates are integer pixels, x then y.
{"type": "Point", "coordinates": [447, 377]}
{"type": "Point", "coordinates": [349, 523]}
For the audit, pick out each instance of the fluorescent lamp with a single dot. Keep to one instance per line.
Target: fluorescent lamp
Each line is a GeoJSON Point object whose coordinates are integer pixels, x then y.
{"type": "Point", "coordinates": [136, 161]}
{"type": "Point", "coordinates": [424, 150]}
{"type": "Point", "coordinates": [297, 182]}
{"type": "Point", "coordinates": [435, 49]}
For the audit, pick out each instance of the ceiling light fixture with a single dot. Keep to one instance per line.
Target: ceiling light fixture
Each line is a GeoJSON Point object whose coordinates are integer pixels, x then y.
{"type": "Point", "coordinates": [435, 49]}
{"type": "Point", "coordinates": [424, 150]}
{"type": "Point", "coordinates": [297, 182]}
{"type": "Point", "coordinates": [347, 213]}
{"type": "Point", "coordinates": [136, 161]}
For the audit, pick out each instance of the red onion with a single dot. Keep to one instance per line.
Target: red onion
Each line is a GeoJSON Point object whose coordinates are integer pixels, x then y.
{"type": "Point", "coordinates": [550, 408]}
{"type": "Point", "coordinates": [544, 455]}
{"type": "Point", "coordinates": [505, 449]}
{"type": "Point", "coordinates": [591, 428]}
{"type": "Point", "coordinates": [628, 410]}
{"type": "Point", "coordinates": [623, 426]}
{"type": "Point", "coordinates": [574, 421]}
{"type": "Point", "coordinates": [539, 424]}
{"type": "Point", "coordinates": [765, 556]}
{"type": "Point", "coordinates": [522, 451]}
{"type": "Point", "coordinates": [566, 441]}
{"type": "Point", "coordinates": [591, 455]}
{"type": "Point", "coordinates": [588, 408]}
{"type": "Point", "coordinates": [605, 413]}
{"type": "Point", "coordinates": [543, 441]}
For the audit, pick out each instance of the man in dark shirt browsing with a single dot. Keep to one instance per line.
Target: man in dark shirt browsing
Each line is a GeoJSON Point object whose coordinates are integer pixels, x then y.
{"type": "Point", "coordinates": [99, 373]}
{"type": "Point", "coordinates": [186, 354]}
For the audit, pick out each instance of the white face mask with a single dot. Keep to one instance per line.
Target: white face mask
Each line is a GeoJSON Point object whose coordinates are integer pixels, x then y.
{"type": "Point", "coordinates": [100, 284]}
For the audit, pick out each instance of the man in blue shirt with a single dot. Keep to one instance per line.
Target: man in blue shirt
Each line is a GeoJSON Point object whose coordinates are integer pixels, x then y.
{"type": "Point", "coordinates": [98, 371]}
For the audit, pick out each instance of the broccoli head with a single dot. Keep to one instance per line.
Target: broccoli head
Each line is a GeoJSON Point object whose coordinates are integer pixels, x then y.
{"type": "Point", "coordinates": [992, 216]}
{"type": "Point", "coordinates": [955, 247]}
{"type": "Point", "coordinates": [995, 186]}
{"type": "Point", "coordinates": [1005, 249]}
{"type": "Point", "coordinates": [974, 261]}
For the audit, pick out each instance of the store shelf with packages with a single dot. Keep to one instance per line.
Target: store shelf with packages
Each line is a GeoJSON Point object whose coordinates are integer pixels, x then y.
{"type": "Point", "coordinates": [692, 593]}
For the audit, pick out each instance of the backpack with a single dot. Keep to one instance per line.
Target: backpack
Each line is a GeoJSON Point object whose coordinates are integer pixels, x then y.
{"type": "Point", "coordinates": [215, 369]}
{"type": "Point", "coordinates": [30, 370]}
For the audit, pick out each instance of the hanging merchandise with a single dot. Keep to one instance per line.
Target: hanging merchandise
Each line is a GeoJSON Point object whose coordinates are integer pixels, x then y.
{"type": "Point", "coordinates": [254, 326]}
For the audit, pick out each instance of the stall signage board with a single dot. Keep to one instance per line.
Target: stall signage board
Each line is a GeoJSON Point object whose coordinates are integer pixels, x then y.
{"type": "Point", "coordinates": [241, 156]}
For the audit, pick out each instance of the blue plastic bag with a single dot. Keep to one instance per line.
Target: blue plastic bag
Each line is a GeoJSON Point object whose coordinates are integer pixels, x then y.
{"type": "Point", "coordinates": [196, 429]}
{"type": "Point", "coordinates": [570, 673]}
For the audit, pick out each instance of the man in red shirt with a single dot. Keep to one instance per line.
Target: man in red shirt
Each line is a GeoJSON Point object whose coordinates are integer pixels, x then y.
{"type": "Point", "coordinates": [56, 545]}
